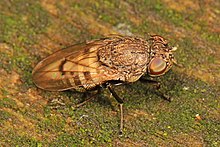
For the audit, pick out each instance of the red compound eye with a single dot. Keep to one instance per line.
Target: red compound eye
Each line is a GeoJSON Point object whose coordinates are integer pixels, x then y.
{"type": "Point", "coordinates": [157, 67]}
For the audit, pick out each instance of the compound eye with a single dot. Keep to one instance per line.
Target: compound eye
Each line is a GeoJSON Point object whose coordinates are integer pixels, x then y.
{"type": "Point", "coordinates": [157, 67]}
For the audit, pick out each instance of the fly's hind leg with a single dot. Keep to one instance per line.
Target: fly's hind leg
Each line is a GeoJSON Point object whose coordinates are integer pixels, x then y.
{"type": "Point", "coordinates": [157, 85]}
{"type": "Point", "coordinates": [120, 101]}
{"type": "Point", "coordinates": [91, 97]}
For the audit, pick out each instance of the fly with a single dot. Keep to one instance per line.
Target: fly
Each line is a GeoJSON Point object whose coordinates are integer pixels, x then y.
{"type": "Point", "coordinates": [105, 63]}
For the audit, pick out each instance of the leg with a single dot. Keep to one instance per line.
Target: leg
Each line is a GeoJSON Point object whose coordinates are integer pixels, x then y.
{"type": "Point", "coordinates": [157, 85]}
{"type": "Point", "coordinates": [120, 101]}
{"type": "Point", "coordinates": [121, 120]}
{"type": "Point", "coordinates": [89, 99]}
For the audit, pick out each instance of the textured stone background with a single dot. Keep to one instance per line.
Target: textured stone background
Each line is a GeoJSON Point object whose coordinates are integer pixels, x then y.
{"type": "Point", "coordinates": [30, 30]}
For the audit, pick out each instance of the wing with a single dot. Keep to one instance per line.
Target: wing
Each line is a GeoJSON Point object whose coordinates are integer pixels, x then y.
{"type": "Point", "coordinates": [76, 67]}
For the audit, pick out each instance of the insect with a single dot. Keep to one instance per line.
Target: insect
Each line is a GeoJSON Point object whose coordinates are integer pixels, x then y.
{"type": "Point", "coordinates": [104, 63]}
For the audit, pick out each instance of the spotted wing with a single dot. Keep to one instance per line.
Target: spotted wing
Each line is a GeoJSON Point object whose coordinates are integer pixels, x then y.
{"type": "Point", "coordinates": [75, 67]}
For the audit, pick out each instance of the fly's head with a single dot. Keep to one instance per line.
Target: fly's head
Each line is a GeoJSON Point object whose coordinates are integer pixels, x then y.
{"type": "Point", "coordinates": [161, 56]}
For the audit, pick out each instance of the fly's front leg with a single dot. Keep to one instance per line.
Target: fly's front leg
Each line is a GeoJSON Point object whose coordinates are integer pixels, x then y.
{"type": "Point", "coordinates": [120, 101]}
{"type": "Point", "coordinates": [157, 85]}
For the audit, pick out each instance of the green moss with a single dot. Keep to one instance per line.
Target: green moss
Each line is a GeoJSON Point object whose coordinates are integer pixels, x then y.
{"type": "Point", "coordinates": [105, 17]}
{"type": "Point", "coordinates": [52, 123]}
{"type": "Point", "coordinates": [213, 37]}
{"type": "Point", "coordinates": [4, 116]}
{"type": "Point", "coordinates": [14, 139]}
{"type": "Point", "coordinates": [212, 133]}
{"type": "Point", "coordinates": [4, 92]}
{"type": "Point", "coordinates": [22, 64]}
{"type": "Point", "coordinates": [8, 103]}
{"type": "Point", "coordinates": [173, 16]}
